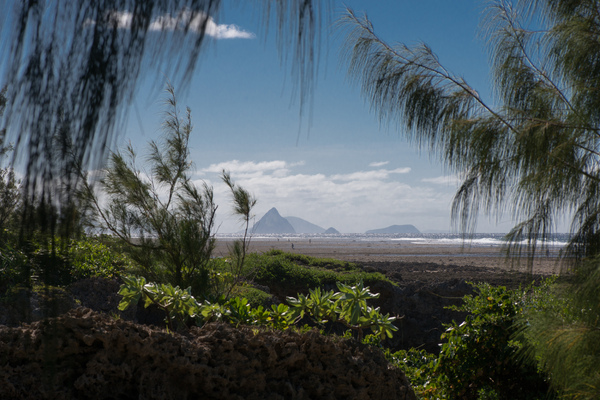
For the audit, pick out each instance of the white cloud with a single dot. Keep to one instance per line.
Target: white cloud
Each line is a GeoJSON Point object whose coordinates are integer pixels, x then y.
{"type": "Point", "coordinates": [353, 202]}
{"type": "Point", "coordinates": [370, 175]}
{"type": "Point", "coordinates": [247, 167]}
{"type": "Point", "coordinates": [195, 21]}
{"type": "Point", "coordinates": [379, 164]}
{"type": "Point", "coordinates": [184, 19]}
{"type": "Point", "coordinates": [443, 180]}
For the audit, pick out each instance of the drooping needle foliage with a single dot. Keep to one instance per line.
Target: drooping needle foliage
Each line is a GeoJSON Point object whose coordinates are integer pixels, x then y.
{"type": "Point", "coordinates": [243, 203]}
{"type": "Point", "coordinates": [74, 66]}
{"type": "Point", "coordinates": [531, 151]}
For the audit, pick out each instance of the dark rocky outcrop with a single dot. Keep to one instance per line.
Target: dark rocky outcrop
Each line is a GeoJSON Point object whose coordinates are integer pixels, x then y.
{"type": "Point", "coordinates": [423, 311]}
{"type": "Point", "coordinates": [88, 355]}
{"type": "Point", "coordinates": [23, 304]}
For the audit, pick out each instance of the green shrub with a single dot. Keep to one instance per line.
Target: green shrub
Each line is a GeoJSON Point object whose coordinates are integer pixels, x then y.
{"type": "Point", "coordinates": [14, 267]}
{"type": "Point", "coordinates": [256, 297]}
{"type": "Point", "coordinates": [300, 272]}
{"type": "Point", "coordinates": [348, 307]}
{"type": "Point", "coordinates": [90, 258]}
{"type": "Point", "coordinates": [482, 355]}
{"type": "Point", "coordinates": [324, 263]}
{"type": "Point", "coordinates": [33, 262]}
{"type": "Point", "coordinates": [419, 367]}
{"type": "Point", "coordinates": [60, 263]}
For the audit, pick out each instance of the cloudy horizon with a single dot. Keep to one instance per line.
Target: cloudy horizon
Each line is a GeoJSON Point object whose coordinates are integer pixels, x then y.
{"type": "Point", "coordinates": [353, 202]}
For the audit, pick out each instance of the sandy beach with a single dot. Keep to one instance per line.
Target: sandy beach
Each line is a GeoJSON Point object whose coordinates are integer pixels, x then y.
{"type": "Point", "coordinates": [407, 261]}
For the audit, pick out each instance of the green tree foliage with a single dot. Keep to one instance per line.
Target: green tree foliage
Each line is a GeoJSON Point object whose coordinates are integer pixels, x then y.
{"type": "Point", "coordinates": [533, 149]}
{"type": "Point", "coordinates": [564, 332]}
{"type": "Point", "coordinates": [166, 222]}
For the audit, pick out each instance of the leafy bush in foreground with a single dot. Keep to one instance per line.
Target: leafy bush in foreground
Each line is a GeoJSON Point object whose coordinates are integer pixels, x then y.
{"type": "Point", "coordinates": [348, 306]}
{"type": "Point", "coordinates": [482, 356]}
{"type": "Point", "coordinates": [419, 367]}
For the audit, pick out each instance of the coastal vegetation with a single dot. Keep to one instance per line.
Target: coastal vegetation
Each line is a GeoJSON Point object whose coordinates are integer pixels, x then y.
{"type": "Point", "coordinates": [535, 153]}
{"type": "Point", "coordinates": [160, 247]}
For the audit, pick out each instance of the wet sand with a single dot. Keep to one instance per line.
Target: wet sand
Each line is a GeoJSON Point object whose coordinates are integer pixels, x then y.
{"type": "Point", "coordinates": [400, 255]}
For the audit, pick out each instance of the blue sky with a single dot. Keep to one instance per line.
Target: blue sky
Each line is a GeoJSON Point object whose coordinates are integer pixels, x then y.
{"type": "Point", "coordinates": [346, 171]}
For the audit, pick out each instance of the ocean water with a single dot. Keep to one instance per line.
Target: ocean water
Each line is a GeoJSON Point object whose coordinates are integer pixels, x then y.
{"type": "Point", "coordinates": [556, 242]}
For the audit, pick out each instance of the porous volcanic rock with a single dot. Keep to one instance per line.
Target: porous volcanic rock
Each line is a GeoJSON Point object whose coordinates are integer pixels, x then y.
{"type": "Point", "coordinates": [88, 355]}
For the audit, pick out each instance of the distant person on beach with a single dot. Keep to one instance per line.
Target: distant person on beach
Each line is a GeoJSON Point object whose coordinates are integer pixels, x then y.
{"type": "Point", "coordinates": [292, 246]}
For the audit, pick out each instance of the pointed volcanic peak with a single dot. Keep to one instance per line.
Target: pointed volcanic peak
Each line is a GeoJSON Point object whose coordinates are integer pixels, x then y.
{"type": "Point", "coordinates": [395, 229]}
{"type": "Point", "coordinates": [303, 226]}
{"type": "Point", "coordinates": [273, 223]}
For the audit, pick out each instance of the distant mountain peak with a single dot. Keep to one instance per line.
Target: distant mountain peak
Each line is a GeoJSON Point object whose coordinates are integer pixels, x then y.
{"type": "Point", "coordinates": [273, 211]}
{"type": "Point", "coordinates": [273, 223]}
{"type": "Point", "coordinates": [303, 226]}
